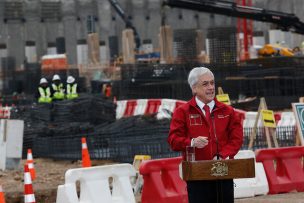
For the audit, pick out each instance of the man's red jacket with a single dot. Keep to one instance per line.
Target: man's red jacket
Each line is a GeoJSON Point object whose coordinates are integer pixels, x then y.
{"type": "Point", "coordinates": [189, 122]}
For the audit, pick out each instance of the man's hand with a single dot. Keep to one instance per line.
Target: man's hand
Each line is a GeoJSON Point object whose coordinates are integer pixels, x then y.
{"type": "Point", "coordinates": [200, 142]}
{"type": "Point", "coordinates": [215, 158]}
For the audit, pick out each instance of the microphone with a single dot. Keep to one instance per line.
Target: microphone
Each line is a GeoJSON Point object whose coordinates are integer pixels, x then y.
{"type": "Point", "coordinates": [216, 140]}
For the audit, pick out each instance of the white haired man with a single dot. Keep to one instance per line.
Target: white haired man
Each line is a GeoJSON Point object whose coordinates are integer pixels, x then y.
{"type": "Point", "coordinates": [212, 128]}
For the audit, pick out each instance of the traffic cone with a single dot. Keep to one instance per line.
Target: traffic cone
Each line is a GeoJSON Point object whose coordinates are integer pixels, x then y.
{"type": "Point", "coordinates": [2, 199]}
{"type": "Point", "coordinates": [30, 163]}
{"type": "Point", "coordinates": [86, 161]}
{"type": "Point", "coordinates": [29, 196]}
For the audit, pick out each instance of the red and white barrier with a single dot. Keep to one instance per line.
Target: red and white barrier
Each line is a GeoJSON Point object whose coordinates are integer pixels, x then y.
{"type": "Point", "coordinates": [283, 168]}
{"type": "Point", "coordinates": [162, 107]}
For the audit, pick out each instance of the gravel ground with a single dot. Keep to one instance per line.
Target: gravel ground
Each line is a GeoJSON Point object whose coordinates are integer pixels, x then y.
{"type": "Point", "coordinates": [50, 174]}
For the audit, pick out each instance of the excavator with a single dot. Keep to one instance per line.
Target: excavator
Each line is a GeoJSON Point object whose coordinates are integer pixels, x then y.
{"type": "Point", "coordinates": [274, 50]}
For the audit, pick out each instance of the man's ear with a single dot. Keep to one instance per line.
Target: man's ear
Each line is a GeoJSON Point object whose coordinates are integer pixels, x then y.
{"type": "Point", "coordinates": [193, 90]}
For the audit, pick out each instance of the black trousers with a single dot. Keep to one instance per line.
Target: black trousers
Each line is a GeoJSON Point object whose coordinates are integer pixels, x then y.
{"type": "Point", "coordinates": [215, 191]}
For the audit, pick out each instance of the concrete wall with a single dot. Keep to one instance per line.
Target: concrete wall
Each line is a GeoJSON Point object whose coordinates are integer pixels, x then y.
{"type": "Point", "coordinates": [145, 14]}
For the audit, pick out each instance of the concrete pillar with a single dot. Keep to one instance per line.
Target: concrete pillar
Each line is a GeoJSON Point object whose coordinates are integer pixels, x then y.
{"type": "Point", "coordinates": [3, 51]}
{"type": "Point", "coordinates": [3, 54]}
{"type": "Point", "coordinates": [105, 19]}
{"type": "Point", "coordinates": [82, 52]}
{"type": "Point", "coordinates": [69, 21]}
{"type": "Point", "coordinates": [51, 48]}
{"type": "Point", "coordinates": [103, 51]}
{"type": "Point", "coordinates": [30, 52]}
{"type": "Point", "coordinates": [15, 42]}
{"type": "Point", "coordinates": [33, 28]}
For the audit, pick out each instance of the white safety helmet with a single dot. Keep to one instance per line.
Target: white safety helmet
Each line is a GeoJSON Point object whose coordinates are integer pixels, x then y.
{"type": "Point", "coordinates": [43, 80]}
{"type": "Point", "coordinates": [56, 77]}
{"type": "Point", "coordinates": [70, 79]}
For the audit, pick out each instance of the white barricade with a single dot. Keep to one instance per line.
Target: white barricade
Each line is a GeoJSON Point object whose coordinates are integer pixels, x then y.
{"type": "Point", "coordinates": [120, 109]}
{"type": "Point", "coordinates": [140, 107]}
{"type": "Point", "coordinates": [249, 187]}
{"type": "Point", "coordinates": [248, 125]}
{"type": "Point", "coordinates": [166, 108]}
{"type": "Point", "coordinates": [95, 187]}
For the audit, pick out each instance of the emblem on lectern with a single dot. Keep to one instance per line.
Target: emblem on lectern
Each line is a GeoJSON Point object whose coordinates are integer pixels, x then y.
{"type": "Point", "coordinates": [219, 169]}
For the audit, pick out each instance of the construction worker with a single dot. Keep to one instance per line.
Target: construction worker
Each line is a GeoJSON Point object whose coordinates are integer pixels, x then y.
{"type": "Point", "coordinates": [71, 88]}
{"type": "Point", "coordinates": [44, 91]}
{"type": "Point", "coordinates": [57, 88]}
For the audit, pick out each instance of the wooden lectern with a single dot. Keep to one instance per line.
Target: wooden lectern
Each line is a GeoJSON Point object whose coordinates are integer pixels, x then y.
{"type": "Point", "coordinates": [218, 169]}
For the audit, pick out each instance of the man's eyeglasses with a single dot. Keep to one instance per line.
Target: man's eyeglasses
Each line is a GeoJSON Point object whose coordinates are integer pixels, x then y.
{"type": "Point", "coordinates": [206, 83]}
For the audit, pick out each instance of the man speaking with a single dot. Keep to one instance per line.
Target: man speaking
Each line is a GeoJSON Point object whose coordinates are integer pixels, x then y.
{"type": "Point", "coordinates": [213, 129]}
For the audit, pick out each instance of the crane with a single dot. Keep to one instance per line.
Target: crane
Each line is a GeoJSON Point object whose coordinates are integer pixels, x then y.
{"type": "Point", "coordinates": [121, 13]}
{"type": "Point", "coordinates": [284, 21]}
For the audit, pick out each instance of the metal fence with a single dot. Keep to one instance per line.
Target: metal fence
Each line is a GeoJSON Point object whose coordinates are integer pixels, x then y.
{"type": "Point", "coordinates": [285, 83]}
{"type": "Point", "coordinates": [119, 141]}
{"type": "Point", "coordinates": [122, 140]}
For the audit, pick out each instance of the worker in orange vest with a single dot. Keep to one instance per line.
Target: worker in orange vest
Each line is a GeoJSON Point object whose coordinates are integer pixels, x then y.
{"type": "Point", "coordinates": [108, 91]}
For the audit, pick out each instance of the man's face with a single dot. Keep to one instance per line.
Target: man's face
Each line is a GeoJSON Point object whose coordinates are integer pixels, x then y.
{"type": "Point", "coordinates": [57, 82]}
{"type": "Point", "coordinates": [204, 89]}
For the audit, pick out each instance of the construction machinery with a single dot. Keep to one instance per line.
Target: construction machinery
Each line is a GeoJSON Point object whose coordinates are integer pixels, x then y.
{"type": "Point", "coordinates": [127, 21]}
{"type": "Point", "coordinates": [284, 21]}
{"type": "Point", "coordinates": [274, 50]}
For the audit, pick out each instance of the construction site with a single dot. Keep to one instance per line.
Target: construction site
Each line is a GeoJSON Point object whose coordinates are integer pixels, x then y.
{"type": "Point", "coordinates": [89, 90]}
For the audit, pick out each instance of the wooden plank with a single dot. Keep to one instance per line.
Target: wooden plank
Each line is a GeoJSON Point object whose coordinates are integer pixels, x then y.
{"type": "Point", "coordinates": [206, 170]}
{"type": "Point", "coordinates": [166, 44]}
{"type": "Point", "coordinates": [93, 47]}
{"type": "Point", "coordinates": [255, 126]}
{"type": "Point", "coordinates": [269, 132]}
{"type": "Point", "coordinates": [128, 46]}
{"type": "Point", "coordinates": [268, 137]}
{"type": "Point", "coordinates": [199, 42]}
{"type": "Point", "coordinates": [220, 90]}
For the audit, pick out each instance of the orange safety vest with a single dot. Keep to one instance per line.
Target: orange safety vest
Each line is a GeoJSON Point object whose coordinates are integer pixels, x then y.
{"type": "Point", "coordinates": [108, 91]}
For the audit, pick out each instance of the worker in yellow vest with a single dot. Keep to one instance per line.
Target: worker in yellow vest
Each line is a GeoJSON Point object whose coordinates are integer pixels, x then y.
{"type": "Point", "coordinates": [57, 88]}
{"type": "Point", "coordinates": [71, 88]}
{"type": "Point", "coordinates": [44, 92]}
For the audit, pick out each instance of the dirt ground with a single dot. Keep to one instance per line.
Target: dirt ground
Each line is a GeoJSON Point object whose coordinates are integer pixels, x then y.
{"type": "Point", "coordinates": [50, 174]}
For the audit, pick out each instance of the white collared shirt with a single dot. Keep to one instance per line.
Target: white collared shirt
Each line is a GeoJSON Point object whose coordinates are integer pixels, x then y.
{"type": "Point", "coordinates": [201, 105]}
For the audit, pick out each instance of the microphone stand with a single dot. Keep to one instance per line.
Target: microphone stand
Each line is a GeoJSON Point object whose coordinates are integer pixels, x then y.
{"type": "Point", "coordinates": [219, 187]}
